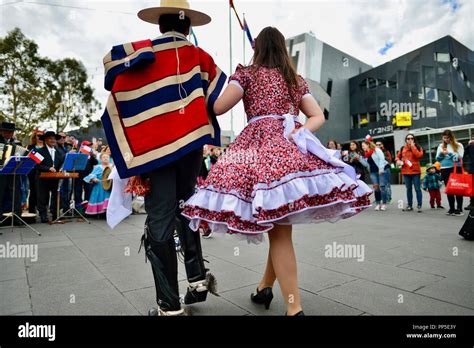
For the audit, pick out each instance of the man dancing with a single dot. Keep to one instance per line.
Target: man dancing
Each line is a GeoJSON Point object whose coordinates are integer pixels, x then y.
{"type": "Point", "coordinates": [158, 117]}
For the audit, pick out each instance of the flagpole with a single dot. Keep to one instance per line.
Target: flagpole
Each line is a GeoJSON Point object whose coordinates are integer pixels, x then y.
{"type": "Point", "coordinates": [230, 69]}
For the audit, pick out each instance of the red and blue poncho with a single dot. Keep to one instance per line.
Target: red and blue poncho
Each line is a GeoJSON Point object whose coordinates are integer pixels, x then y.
{"type": "Point", "coordinates": [155, 115]}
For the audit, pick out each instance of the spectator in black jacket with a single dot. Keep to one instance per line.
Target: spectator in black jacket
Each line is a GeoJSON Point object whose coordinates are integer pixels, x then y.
{"type": "Point", "coordinates": [48, 188]}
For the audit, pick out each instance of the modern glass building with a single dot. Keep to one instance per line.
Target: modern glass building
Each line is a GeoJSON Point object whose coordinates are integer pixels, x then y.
{"type": "Point", "coordinates": [327, 71]}
{"type": "Point", "coordinates": [435, 83]}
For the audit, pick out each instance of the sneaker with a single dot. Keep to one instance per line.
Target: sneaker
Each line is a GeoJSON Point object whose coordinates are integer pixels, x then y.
{"type": "Point", "coordinates": [450, 212]}
{"type": "Point", "coordinates": [377, 207]}
{"type": "Point", "coordinates": [408, 209]}
{"type": "Point", "coordinates": [383, 207]}
{"type": "Point", "coordinates": [418, 209]}
{"type": "Point", "coordinates": [469, 207]}
{"type": "Point", "coordinates": [441, 207]}
{"type": "Point", "coordinates": [458, 213]}
{"type": "Point", "coordinates": [433, 207]}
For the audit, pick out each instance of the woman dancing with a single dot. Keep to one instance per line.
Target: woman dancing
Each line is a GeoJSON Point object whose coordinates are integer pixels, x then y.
{"type": "Point", "coordinates": [270, 177]}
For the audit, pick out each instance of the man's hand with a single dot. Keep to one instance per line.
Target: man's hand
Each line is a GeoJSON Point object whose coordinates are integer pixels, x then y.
{"type": "Point", "coordinates": [95, 180]}
{"type": "Point", "coordinates": [52, 170]}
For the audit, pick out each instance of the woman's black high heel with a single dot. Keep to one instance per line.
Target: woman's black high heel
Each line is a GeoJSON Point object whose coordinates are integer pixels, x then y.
{"type": "Point", "coordinates": [264, 296]}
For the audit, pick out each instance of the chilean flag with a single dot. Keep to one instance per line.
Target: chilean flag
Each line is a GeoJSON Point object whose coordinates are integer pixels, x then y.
{"type": "Point", "coordinates": [35, 156]}
{"type": "Point", "coordinates": [85, 149]}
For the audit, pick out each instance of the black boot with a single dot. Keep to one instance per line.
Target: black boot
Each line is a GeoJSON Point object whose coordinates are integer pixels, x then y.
{"type": "Point", "coordinates": [200, 282]}
{"type": "Point", "coordinates": [164, 263]}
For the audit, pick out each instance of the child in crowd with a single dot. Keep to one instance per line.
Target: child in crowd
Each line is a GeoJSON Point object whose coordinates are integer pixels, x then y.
{"type": "Point", "coordinates": [432, 183]}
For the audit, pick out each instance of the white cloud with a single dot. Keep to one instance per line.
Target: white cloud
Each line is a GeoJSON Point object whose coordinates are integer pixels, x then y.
{"type": "Point", "coordinates": [358, 27]}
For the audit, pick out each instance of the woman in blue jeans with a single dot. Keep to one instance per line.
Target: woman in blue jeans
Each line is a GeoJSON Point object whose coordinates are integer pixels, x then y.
{"type": "Point", "coordinates": [408, 158]}
{"type": "Point", "coordinates": [374, 160]}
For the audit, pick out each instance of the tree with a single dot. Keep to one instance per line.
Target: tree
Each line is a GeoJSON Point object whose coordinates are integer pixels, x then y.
{"type": "Point", "coordinates": [35, 89]}
{"type": "Point", "coordinates": [21, 81]}
{"type": "Point", "coordinates": [71, 99]}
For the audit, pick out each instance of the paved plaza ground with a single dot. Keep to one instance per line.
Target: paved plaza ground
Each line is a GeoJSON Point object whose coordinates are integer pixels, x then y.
{"type": "Point", "coordinates": [414, 264]}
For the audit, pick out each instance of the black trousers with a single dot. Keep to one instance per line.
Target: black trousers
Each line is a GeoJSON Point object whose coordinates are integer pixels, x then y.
{"type": "Point", "coordinates": [6, 194]}
{"type": "Point", "coordinates": [451, 198]}
{"type": "Point", "coordinates": [171, 186]}
{"type": "Point", "coordinates": [47, 191]}
{"type": "Point", "coordinates": [33, 196]}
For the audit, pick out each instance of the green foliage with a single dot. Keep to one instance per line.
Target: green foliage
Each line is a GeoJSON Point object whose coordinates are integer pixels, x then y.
{"type": "Point", "coordinates": [35, 89]}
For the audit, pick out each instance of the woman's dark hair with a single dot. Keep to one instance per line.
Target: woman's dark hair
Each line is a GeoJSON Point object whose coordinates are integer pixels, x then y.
{"type": "Point", "coordinates": [454, 143]}
{"type": "Point", "coordinates": [176, 22]}
{"type": "Point", "coordinates": [414, 140]}
{"type": "Point", "coordinates": [270, 51]}
{"type": "Point", "coordinates": [332, 141]}
{"type": "Point", "coordinates": [358, 149]}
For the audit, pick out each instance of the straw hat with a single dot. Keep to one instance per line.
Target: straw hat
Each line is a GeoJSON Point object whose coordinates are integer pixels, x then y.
{"type": "Point", "coordinates": [152, 14]}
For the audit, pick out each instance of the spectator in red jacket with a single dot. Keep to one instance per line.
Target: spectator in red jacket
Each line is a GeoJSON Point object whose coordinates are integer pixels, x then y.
{"type": "Point", "coordinates": [408, 158]}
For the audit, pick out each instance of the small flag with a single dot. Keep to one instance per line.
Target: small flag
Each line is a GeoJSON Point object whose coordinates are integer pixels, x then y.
{"type": "Point", "coordinates": [35, 156]}
{"type": "Point", "coordinates": [85, 149]}
{"type": "Point", "coordinates": [247, 30]}
{"type": "Point", "coordinates": [369, 138]}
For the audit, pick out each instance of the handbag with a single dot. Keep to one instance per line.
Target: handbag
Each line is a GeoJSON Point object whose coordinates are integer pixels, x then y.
{"type": "Point", "coordinates": [460, 184]}
{"type": "Point", "coordinates": [467, 230]}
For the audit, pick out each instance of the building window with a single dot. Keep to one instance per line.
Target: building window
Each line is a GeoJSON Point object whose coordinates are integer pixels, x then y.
{"type": "Point", "coordinates": [421, 95]}
{"type": "Point", "coordinates": [442, 69]}
{"type": "Point", "coordinates": [329, 87]}
{"type": "Point", "coordinates": [429, 75]}
{"type": "Point", "coordinates": [445, 97]}
{"type": "Point", "coordinates": [466, 108]}
{"type": "Point", "coordinates": [459, 107]}
{"type": "Point", "coordinates": [392, 84]}
{"type": "Point", "coordinates": [364, 120]}
{"type": "Point", "coordinates": [355, 121]}
{"type": "Point", "coordinates": [442, 57]}
{"type": "Point", "coordinates": [372, 83]}
{"type": "Point", "coordinates": [431, 112]}
{"type": "Point", "coordinates": [382, 83]}
{"type": "Point", "coordinates": [372, 117]}
{"type": "Point", "coordinates": [431, 94]}
{"type": "Point", "coordinates": [363, 84]}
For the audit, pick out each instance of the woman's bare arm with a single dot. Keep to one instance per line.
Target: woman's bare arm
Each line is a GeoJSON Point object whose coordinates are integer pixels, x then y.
{"type": "Point", "coordinates": [231, 96]}
{"type": "Point", "coordinates": [309, 106]}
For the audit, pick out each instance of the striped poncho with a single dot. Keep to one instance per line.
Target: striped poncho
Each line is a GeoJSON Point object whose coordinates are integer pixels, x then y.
{"type": "Point", "coordinates": [154, 115]}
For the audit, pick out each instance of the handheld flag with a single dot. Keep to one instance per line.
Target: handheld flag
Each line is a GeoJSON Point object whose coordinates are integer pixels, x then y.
{"type": "Point", "coordinates": [85, 149]}
{"type": "Point", "coordinates": [35, 156]}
